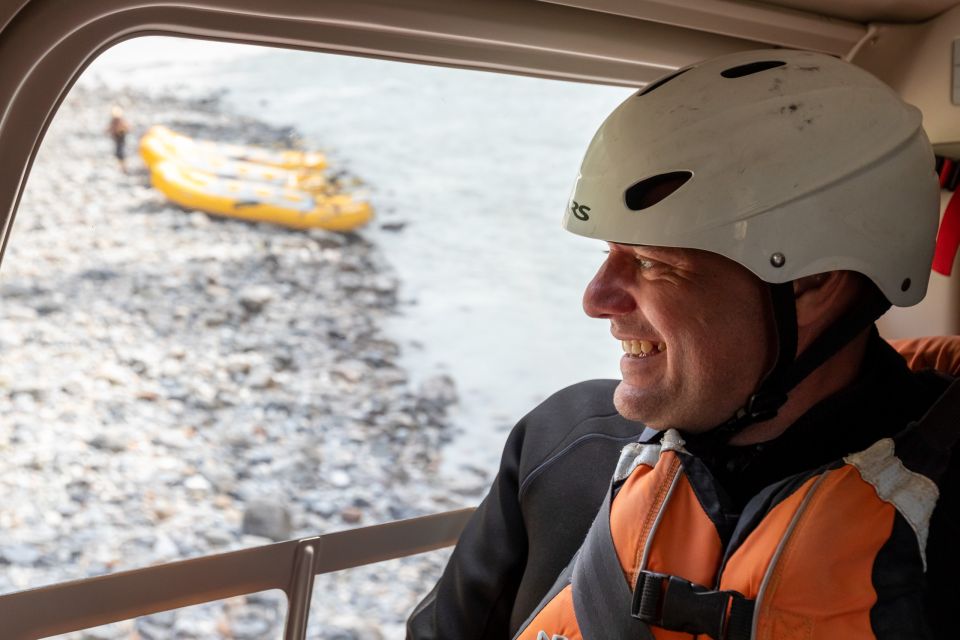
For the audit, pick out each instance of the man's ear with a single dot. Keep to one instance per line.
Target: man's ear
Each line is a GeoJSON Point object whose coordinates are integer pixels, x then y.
{"type": "Point", "coordinates": [821, 298]}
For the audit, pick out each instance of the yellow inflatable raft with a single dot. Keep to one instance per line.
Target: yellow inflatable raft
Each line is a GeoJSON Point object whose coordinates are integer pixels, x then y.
{"type": "Point", "coordinates": [187, 147]}
{"type": "Point", "coordinates": [156, 147]}
{"type": "Point", "coordinates": [257, 202]}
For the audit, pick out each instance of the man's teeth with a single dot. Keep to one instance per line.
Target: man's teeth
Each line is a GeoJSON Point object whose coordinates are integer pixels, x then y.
{"type": "Point", "coordinates": [642, 347]}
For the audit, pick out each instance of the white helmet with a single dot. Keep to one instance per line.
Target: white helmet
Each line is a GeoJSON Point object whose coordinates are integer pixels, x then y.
{"type": "Point", "coordinates": [790, 163]}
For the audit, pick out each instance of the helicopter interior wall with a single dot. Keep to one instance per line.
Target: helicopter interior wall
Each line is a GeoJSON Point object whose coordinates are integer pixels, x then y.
{"type": "Point", "coordinates": [855, 11]}
{"type": "Point", "coordinates": [916, 60]}
{"type": "Point", "coordinates": [872, 10]}
{"type": "Point", "coordinates": [762, 22]}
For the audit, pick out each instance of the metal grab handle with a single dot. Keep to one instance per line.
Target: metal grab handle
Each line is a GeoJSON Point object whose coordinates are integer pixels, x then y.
{"type": "Point", "coordinates": [301, 590]}
{"type": "Point", "coordinates": [289, 566]}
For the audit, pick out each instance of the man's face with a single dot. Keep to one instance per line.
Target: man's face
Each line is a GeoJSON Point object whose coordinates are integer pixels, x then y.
{"type": "Point", "coordinates": [696, 330]}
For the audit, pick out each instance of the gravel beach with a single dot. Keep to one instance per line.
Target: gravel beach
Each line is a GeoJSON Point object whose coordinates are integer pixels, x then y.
{"type": "Point", "coordinates": [174, 384]}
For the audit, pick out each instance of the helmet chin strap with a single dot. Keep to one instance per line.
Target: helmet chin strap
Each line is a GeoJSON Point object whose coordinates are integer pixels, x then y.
{"type": "Point", "coordinates": [789, 369]}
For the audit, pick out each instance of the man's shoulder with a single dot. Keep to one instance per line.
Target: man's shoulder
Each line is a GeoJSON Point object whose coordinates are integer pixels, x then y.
{"type": "Point", "coordinates": [575, 415]}
{"type": "Point", "coordinates": [588, 398]}
{"type": "Point", "coordinates": [586, 401]}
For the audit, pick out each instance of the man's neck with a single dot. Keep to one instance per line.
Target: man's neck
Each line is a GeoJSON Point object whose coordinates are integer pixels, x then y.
{"type": "Point", "coordinates": [833, 375]}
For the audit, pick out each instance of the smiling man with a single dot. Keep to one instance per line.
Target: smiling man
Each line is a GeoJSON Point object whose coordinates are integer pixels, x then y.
{"type": "Point", "coordinates": [767, 467]}
{"type": "Point", "coordinates": [711, 314]}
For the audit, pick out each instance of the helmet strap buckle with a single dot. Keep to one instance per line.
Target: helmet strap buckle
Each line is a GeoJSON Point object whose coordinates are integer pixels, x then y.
{"type": "Point", "coordinates": [763, 406]}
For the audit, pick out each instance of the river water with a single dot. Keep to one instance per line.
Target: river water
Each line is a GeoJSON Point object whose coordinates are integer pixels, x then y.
{"type": "Point", "coordinates": [475, 167]}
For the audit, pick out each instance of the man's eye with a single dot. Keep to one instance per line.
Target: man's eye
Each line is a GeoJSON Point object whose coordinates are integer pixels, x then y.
{"type": "Point", "coordinates": [643, 263]}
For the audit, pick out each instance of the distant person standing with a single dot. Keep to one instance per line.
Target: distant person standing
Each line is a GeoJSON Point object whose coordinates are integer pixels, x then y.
{"type": "Point", "coordinates": [118, 130]}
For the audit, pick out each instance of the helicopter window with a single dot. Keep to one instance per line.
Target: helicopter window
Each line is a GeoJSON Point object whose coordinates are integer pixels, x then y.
{"type": "Point", "coordinates": [176, 383]}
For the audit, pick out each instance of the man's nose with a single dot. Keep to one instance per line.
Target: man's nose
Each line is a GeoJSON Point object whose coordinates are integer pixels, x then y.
{"type": "Point", "coordinates": [608, 294]}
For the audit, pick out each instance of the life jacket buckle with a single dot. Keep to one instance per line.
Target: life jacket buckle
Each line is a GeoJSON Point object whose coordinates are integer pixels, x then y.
{"type": "Point", "coordinates": [675, 604]}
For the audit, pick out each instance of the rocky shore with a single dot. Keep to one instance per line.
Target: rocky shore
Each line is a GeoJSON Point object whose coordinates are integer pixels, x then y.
{"type": "Point", "coordinates": [174, 385]}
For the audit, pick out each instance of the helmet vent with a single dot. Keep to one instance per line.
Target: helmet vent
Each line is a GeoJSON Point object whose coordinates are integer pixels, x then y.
{"type": "Point", "coordinates": [751, 68]}
{"type": "Point", "coordinates": [662, 81]}
{"type": "Point", "coordinates": [650, 191]}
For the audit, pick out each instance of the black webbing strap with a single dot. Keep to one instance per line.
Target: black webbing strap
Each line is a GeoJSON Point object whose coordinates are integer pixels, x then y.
{"type": "Point", "coordinates": [676, 604]}
{"type": "Point", "coordinates": [606, 609]}
{"type": "Point", "coordinates": [789, 370]}
{"type": "Point", "coordinates": [771, 393]}
{"type": "Point", "coordinates": [601, 596]}
{"type": "Point", "coordinates": [926, 445]}
{"type": "Point", "coordinates": [835, 337]}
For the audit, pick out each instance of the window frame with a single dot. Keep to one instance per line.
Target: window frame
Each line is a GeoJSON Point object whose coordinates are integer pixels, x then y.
{"type": "Point", "coordinates": [46, 45]}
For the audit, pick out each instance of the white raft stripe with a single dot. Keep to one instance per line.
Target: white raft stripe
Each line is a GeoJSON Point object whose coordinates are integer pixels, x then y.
{"type": "Point", "coordinates": [913, 494]}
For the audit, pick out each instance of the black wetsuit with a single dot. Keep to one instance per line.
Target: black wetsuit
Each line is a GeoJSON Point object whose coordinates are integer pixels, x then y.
{"type": "Point", "coordinates": [558, 461]}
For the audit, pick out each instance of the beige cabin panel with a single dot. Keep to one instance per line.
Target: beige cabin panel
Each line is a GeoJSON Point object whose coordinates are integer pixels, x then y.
{"type": "Point", "coordinates": [872, 10]}
{"type": "Point", "coordinates": [917, 61]}
{"type": "Point", "coordinates": [938, 314]}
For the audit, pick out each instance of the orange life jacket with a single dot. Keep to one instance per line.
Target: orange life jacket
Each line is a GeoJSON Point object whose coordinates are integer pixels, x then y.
{"type": "Point", "coordinates": [837, 552]}
{"type": "Point", "coordinates": [933, 352]}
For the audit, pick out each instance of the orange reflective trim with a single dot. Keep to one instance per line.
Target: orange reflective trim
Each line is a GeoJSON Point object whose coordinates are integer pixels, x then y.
{"type": "Point", "coordinates": [936, 352]}
{"type": "Point", "coordinates": [557, 618]}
